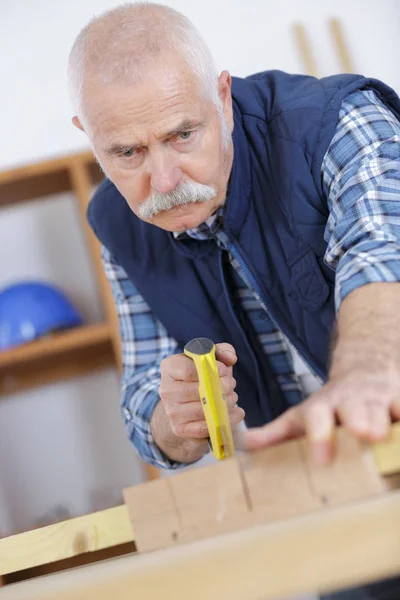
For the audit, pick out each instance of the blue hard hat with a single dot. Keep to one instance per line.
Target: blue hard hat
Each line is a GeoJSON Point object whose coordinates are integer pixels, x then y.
{"type": "Point", "coordinates": [29, 310]}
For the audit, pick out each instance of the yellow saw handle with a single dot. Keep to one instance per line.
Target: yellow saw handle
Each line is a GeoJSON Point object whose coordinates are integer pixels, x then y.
{"type": "Point", "coordinates": [202, 352]}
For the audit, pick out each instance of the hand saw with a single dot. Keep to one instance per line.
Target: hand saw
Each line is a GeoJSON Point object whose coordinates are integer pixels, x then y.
{"type": "Point", "coordinates": [202, 352]}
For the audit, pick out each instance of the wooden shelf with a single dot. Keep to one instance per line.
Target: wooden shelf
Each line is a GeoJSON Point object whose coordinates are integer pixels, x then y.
{"type": "Point", "coordinates": [44, 179]}
{"type": "Point", "coordinates": [59, 356]}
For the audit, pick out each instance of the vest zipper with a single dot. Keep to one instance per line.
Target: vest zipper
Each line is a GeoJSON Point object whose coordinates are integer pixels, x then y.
{"type": "Point", "coordinates": [260, 384]}
{"type": "Point", "coordinates": [252, 284]}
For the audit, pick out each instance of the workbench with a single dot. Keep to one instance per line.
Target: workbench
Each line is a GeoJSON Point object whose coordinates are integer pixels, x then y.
{"type": "Point", "coordinates": [340, 529]}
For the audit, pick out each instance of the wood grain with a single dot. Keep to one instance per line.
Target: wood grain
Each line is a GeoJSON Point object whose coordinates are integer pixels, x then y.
{"type": "Point", "coordinates": [189, 506]}
{"type": "Point", "coordinates": [328, 550]}
{"type": "Point", "coordinates": [387, 453]}
{"type": "Point", "coordinates": [279, 482]}
{"type": "Point", "coordinates": [95, 531]}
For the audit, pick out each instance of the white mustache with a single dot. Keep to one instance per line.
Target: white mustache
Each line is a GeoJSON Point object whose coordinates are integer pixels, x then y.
{"type": "Point", "coordinates": [186, 192]}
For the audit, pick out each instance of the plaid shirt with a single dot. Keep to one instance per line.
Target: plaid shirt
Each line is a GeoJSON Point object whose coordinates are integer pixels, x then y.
{"type": "Point", "coordinates": [361, 179]}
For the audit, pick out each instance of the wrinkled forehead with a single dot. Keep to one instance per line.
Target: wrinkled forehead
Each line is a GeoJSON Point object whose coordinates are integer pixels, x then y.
{"type": "Point", "coordinates": [158, 100]}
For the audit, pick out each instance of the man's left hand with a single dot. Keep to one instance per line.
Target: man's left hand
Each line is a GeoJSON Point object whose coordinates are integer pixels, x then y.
{"type": "Point", "coordinates": [363, 402]}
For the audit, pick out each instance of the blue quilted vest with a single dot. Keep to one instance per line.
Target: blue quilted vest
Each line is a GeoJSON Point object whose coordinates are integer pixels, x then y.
{"type": "Point", "coordinates": [275, 220]}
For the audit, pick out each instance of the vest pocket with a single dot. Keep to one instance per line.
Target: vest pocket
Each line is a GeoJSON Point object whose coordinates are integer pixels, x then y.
{"type": "Point", "coordinates": [309, 286]}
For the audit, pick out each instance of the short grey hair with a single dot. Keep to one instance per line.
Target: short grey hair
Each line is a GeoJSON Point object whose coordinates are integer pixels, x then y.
{"type": "Point", "coordinates": [120, 44]}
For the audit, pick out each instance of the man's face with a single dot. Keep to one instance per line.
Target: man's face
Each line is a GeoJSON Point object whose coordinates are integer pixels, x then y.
{"type": "Point", "coordinates": [162, 145]}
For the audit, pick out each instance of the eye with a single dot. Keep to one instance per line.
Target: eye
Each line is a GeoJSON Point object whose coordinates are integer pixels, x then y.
{"type": "Point", "coordinates": [185, 135]}
{"type": "Point", "coordinates": [128, 153]}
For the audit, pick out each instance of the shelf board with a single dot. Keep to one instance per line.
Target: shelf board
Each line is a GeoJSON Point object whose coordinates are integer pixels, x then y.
{"type": "Point", "coordinates": [42, 179]}
{"type": "Point", "coordinates": [58, 356]}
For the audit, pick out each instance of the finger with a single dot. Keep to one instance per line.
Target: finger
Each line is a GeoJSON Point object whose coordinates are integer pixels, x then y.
{"type": "Point", "coordinates": [226, 354]}
{"type": "Point", "coordinates": [178, 367]}
{"type": "Point", "coordinates": [228, 384]}
{"type": "Point", "coordinates": [231, 400]}
{"type": "Point", "coordinates": [287, 426]}
{"type": "Point", "coordinates": [179, 392]}
{"type": "Point", "coordinates": [236, 415]}
{"type": "Point", "coordinates": [319, 424]}
{"type": "Point", "coordinates": [191, 430]}
{"type": "Point", "coordinates": [179, 413]}
{"type": "Point", "coordinates": [368, 421]}
{"type": "Point", "coordinates": [223, 370]}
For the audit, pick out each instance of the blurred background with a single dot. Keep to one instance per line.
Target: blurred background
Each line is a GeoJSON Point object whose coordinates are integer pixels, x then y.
{"type": "Point", "coordinates": [63, 448]}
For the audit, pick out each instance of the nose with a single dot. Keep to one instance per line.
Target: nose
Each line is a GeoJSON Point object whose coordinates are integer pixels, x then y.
{"type": "Point", "coordinates": [165, 174]}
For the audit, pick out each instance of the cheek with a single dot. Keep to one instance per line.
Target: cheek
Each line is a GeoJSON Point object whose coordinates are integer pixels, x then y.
{"type": "Point", "coordinates": [205, 165]}
{"type": "Point", "coordinates": [131, 184]}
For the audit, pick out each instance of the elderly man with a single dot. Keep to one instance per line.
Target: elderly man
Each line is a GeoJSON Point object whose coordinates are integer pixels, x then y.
{"type": "Point", "coordinates": [261, 212]}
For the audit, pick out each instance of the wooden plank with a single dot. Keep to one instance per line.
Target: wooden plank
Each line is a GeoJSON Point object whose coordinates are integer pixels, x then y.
{"type": "Point", "coordinates": [352, 475]}
{"type": "Point", "coordinates": [387, 453]}
{"type": "Point", "coordinates": [82, 185]}
{"type": "Point", "coordinates": [277, 483]}
{"type": "Point", "coordinates": [33, 187]}
{"type": "Point", "coordinates": [88, 533]}
{"type": "Point", "coordinates": [206, 501]}
{"type": "Point", "coordinates": [61, 342]}
{"type": "Point", "coordinates": [73, 562]}
{"type": "Point", "coordinates": [82, 182]}
{"type": "Point", "coordinates": [189, 506]}
{"type": "Point", "coordinates": [45, 167]}
{"type": "Point", "coordinates": [260, 487]}
{"type": "Point", "coordinates": [329, 550]}
{"type": "Point", "coordinates": [304, 49]}
{"type": "Point", "coordinates": [60, 356]}
{"type": "Point", "coordinates": [341, 46]}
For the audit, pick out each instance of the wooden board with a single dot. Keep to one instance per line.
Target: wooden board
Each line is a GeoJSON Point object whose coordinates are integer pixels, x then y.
{"type": "Point", "coordinates": [252, 564]}
{"type": "Point", "coordinates": [95, 531]}
{"type": "Point", "coordinates": [387, 453]}
{"type": "Point", "coordinates": [54, 357]}
{"type": "Point", "coordinates": [259, 487]}
{"type": "Point", "coordinates": [206, 502]}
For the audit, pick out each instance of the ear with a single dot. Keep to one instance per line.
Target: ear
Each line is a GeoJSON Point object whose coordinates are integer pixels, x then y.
{"type": "Point", "coordinates": [77, 123]}
{"type": "Point", "coordinates": [224, 91]}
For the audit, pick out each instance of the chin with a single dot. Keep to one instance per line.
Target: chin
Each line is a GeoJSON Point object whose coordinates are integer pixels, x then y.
{"type": "Point", "coordinates": [182, 218]}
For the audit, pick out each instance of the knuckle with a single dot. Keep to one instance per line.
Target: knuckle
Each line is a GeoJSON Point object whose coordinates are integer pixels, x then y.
{"type": "Point", "coordinates": [226, 347]}
{"type": "Point", "coordinates": [178, 428]}
{"type": "Point", "coordinates": [164, 365]}
{"type": "Point", "coordinates": [202, 430]}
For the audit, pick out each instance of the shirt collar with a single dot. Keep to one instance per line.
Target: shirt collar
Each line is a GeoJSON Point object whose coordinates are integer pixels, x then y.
{"type": "Point", "coordinates": [206, 230]}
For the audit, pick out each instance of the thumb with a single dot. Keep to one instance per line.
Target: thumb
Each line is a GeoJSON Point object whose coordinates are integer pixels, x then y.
{"type": "Point", "coordinates": [226, 354]}
{"type": "Point", "coordinates": [285, 427]}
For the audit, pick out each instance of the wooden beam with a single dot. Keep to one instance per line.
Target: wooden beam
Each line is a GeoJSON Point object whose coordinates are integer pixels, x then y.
{"type": "Point", "coordinates": [304, 49]}
{"type": "Point", "coordinates": [341, 46]}
{"type": "Point", "coordinates": [387, 453]}
{"type": "Point", "coordinates": [329, 550]}
{"type": "Point", "coordinates": [44, 168]}
{"type": "Point", "coordinates": [259, 487]}
{"type": "Point", "coordinates": [88, 533]}
{"type": "Point", "coordinates": [55, 357]}
{"type": "Point", "coordinates": [205, 502]}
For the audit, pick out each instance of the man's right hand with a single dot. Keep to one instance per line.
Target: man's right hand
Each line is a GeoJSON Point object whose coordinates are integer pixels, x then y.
{"type": "Point", "coordinates": [178, 424]}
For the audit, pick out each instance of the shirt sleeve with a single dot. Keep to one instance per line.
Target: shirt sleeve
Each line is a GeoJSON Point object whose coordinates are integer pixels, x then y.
{"type": "Point", "coordinates": [145, 343]}
{"type": "Point", "coordinates": [361, 180]}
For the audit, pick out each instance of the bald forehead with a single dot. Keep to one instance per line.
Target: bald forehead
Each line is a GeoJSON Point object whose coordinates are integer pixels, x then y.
{"type": "Point", "coordinates": [163, 83]}
{"type": "Point", "coordinates": [163, 102]}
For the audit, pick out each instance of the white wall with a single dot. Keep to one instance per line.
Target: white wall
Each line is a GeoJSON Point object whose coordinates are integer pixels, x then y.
{"type": "Point", "coordinates": [64, 445]}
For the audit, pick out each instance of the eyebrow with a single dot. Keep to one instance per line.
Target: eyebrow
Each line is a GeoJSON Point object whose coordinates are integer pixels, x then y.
{"type": "Point", "coordinates": [184, 126]}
